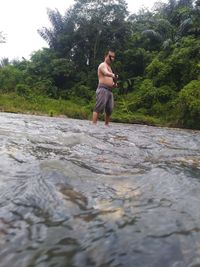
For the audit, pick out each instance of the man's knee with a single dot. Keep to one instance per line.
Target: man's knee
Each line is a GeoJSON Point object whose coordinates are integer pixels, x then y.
{"type": "Point", "coordinates": [108, 112]}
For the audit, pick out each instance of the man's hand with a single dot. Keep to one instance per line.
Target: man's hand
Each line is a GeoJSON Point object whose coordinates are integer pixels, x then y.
{"type": "Point", "coordinates": [115, 78]}
{"type": "Point", "coordinates": [115, 85]}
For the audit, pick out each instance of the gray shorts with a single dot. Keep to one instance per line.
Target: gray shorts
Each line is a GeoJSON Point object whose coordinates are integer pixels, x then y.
{"type": "Point", "coordinates": [104, 100]}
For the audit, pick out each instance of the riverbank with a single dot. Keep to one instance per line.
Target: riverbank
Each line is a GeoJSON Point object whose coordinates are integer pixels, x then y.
{"type": "Point", "coordinates": [78, 109]}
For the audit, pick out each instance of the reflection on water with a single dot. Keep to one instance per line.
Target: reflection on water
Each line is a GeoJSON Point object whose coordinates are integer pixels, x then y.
{"type": "Point", "coordinates": [74, 194]}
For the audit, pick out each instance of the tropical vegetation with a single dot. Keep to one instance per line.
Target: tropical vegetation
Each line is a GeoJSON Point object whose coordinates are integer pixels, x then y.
{"type": "Point", "coordinates": [158, 63]}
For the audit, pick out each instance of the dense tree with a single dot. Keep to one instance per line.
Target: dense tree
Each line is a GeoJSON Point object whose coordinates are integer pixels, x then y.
{"type": "Point", "coordinates": [189, 105]}
{"type": "Point", "coordinates": [158, 58]}
{"type": "Point", "coordinates": [86, 30]}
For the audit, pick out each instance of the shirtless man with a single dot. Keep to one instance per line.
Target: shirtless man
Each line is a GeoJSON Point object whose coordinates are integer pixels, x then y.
{"type": "Point", "coordinates": [104, 95]}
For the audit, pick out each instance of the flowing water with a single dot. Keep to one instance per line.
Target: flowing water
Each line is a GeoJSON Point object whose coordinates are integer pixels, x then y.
{"type": "Point", "coordinates": [73, 194]}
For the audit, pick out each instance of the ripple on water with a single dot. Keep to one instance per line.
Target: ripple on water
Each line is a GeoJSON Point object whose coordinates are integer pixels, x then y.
{"type": "Point", "coordinates": [76, 195]}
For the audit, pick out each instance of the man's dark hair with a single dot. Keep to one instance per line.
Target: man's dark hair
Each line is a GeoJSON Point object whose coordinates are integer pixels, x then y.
{"type": "Point", "coordinates": [108, 50]}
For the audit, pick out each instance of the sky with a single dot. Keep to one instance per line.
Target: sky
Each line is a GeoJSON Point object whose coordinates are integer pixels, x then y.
{"type": "Point", "coordinates": [20, 20]}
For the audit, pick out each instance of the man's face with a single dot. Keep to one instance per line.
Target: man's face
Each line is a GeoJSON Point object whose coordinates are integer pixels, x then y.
{"type": "Point", "coordinates": [111, 56]}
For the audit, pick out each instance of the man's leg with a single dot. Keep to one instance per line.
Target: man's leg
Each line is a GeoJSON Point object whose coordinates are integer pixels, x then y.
{"type": "Point", "coordinates": [109, 108]}
{"type": "Point", "coordinates": [95, 117]}
{"type": "Point", "coordinates": [107, 119]}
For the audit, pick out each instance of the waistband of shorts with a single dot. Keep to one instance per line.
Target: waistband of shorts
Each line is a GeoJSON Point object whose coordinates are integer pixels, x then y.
{"type": "Point", "coordinates": [102, 85]}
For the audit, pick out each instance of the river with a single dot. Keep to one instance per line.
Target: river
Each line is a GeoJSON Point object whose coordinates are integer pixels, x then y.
{"type": "Point", "coordinates": [77, 195]}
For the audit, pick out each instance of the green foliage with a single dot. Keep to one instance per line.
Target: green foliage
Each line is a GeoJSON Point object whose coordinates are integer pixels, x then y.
{"type": "Point", "coordinates": [119, 116]}
{"type": "Point", "coordinates": [147, 94]}
{"type": "Point", "coordinates": [150, 100]}
{"type": "Point", "coordinates": [184, 61]}
{"type": "Point", "coordinates": [23, 90]}
{"type": "Point", "coordinates": [86, 30]}
{"type": "Point", "coordinates": [42, 105]}
{"type": "Point", "coordinates": [188, 103]}
{"type": "Point", "coordinates": [134, 61]}
{"type": "Point", "coordinates": [81, 91]}
{"type": "Point", "coordinates": [9, 78]}
{"type": "Point", "coordinates": [158, 71]}
{"type": "Point", "coordinates": [177, 68]}
{"type": "Point", "coordinates": [157, 56]}
{"type": "Point", "coordinates": [49, 74]}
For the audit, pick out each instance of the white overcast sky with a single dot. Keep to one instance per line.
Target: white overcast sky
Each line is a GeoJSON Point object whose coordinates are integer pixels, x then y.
{"type": "Point", "coordinates": [20, 19]}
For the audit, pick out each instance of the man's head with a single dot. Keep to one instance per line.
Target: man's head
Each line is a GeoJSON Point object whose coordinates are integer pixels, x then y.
{"type": "Point", "coordinates": [109, 56]}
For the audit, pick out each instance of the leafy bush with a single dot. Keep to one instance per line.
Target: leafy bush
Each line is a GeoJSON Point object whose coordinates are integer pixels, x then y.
{"type": "Point", "coordinates": [158, 71]}
{"type": "Point", "coordinates": [22, 90]}
{"type": "Point", "coordinates": [147, 94]}
{"type": "Point", "coordinates": [188, 105]}
{"type": "Point", "coordinates": [165, 93]}
{"type": "Point", "coordinates": [9, 78]}
{"type": "Point", "coordinates": [81, 91]}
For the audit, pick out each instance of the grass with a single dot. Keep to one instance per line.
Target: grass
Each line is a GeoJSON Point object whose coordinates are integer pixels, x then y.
{"type": "Point", "coordinates": [40, 105]}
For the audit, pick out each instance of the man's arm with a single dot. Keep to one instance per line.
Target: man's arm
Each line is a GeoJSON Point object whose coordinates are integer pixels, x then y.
{"type": "Point", "coordinates": [105, 71]}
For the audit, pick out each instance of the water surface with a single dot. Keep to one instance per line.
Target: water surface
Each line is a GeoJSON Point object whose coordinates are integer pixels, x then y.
{"type": "Point", "coordinates": [74, 194]}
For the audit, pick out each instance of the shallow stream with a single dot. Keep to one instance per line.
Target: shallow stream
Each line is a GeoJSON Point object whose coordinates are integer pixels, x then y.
{"type": "Point", "coordinates": [77, 195]}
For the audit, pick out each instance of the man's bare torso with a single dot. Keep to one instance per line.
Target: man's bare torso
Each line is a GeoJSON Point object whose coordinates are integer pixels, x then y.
{"type": "Point", "coordinates": [103, 79]}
